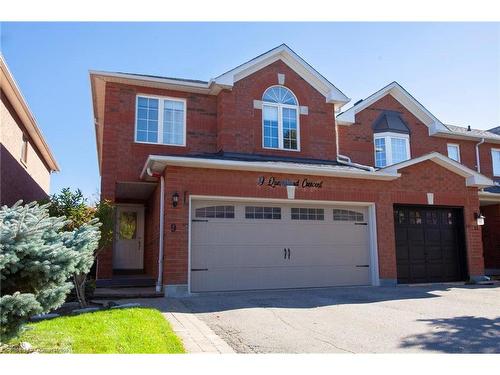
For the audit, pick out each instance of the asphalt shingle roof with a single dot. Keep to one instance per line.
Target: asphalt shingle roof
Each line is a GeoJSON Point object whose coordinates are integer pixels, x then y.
{"type": "Point", "coordinates": [459, 130]}
{"type": "Point", "coordinates": [165, 77]}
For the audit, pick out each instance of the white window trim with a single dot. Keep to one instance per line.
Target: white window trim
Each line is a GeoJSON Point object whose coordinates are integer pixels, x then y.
{"type": "Point", "coordinates": [280, 107]}
{"type": "Point", "coordinates": [160, 119]}
{"type": "Point", "coordinates": [458, 151]}
{"type": "Point", "coordinates": [497, 174]}
{"type": "Point", "coordinates": [388, 146]}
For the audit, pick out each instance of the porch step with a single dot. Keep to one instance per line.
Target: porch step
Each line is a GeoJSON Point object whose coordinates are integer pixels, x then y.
{"type": "Point", "coordinates": [124, 282]}
{"type": "Point", "coordinates": [126, 293]}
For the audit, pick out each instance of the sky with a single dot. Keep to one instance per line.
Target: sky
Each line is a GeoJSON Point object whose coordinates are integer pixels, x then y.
{"type": "Point", "coordinates": [453, 69]}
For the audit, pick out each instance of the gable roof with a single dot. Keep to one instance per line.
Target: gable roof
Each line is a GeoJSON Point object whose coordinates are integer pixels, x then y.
{"type": "Point", "coordinates": [13, 94]}
{"type": "Point", "coordinates": [472, 177]}
{"type": "Point", "coordinates": [98, 80]}
{"type": "Point", "coordinates": [401, 95]}
{"type": "Point", "coordinates": [436, 127]}
{"type": "Point", "coordinates": [295, 62]}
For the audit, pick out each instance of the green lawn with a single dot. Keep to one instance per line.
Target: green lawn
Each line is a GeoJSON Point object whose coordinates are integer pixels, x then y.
{"type": "Point", "coordinates": [133, 330]}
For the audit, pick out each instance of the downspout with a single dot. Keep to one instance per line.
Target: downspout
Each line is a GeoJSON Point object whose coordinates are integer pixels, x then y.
{"type": "Point", "coordinates": [478, 163]}
{"type": "Point", "coordinates": [159, 281]}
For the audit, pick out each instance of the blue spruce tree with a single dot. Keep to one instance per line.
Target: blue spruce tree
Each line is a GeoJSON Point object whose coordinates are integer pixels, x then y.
{"type": "Point", "coordinates": [37, 260]}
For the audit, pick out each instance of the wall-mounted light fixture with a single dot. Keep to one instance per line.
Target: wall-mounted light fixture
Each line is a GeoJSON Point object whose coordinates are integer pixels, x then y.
{"type": "Point", "coordinates": [479, 218]}
{"type": "Point", "coordinates": [175, 199]}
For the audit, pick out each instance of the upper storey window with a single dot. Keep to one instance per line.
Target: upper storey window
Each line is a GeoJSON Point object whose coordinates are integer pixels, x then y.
{"type": "Point", "coordinates": [391, 139]}
{"type": "Point", "coordinates": [391, 149]}
{"type": "Point", "coordinates": [495, 156]}
{"type": "Point", "coordinates": [161, 120]}
{"type": "Point", "coordinates": [454, 152]}
{"type": "Point", "coordinates": [280, 119]}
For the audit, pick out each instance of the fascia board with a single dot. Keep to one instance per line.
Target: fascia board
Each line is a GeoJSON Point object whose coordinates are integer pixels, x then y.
{"type": "Point", "coordinates": [164, 161]}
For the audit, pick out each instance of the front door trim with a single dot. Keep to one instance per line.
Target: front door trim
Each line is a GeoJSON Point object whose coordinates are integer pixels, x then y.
{"type": "Point", "coordinates": [373, 248]}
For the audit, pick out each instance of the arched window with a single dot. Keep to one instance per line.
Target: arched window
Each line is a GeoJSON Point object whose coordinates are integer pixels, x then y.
{"type": "Point", "coordinates": [280, 119]}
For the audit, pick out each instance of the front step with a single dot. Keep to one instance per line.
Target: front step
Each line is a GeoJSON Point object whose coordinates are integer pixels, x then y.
{"type": "Point", "coordinates": [125, 282]}
{"type": "Point", "coordinates": [126, 293]}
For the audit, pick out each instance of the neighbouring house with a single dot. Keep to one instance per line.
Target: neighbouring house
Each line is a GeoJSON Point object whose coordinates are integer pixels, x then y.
{"type": "Point", "coordinates": [26, 161]}
{"type": "Point", "coordinates": [257, 180]}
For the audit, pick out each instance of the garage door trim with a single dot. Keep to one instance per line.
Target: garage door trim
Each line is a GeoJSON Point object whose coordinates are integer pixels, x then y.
{"type": "Point", "coordinates": [372, 224]}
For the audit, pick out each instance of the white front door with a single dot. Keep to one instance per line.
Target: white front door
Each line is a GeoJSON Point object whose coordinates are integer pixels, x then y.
{"type": "Point", "coordinates": [128, 251]}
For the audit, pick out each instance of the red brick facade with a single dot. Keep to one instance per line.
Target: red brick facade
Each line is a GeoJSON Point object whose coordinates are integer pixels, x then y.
{"type": "Point", "coordinates": [449, 190]}
{"type": "Point", "coordinates": [239, 127]}
{"type": "Point", "coordinates": [229, 122]}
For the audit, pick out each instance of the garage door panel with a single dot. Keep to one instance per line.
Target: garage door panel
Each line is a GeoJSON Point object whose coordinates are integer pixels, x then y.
{"type": "Point", "coordinates": [448, 235]}
{"type": "Point", "coordinates": [450, 254]}
{"type": "Point", "coordinates": [230, 232]}
{"type": "Point", "coordinates": [434, 253]}
{"type": "Point", "coordinates": [230, 255]}
{"type": "Point", "coordinates": [329, 256]}
{"type": "Point", "coordinates": [416, 253]}
{"type": "Point", "coordinates": [312, 276]}
{"type": "Point", "coordinates": [401, 234]}
{"type": "Point", "coordinates": [245, 252]}
{"type": "Point", "coordinates": [402, 254]}
{"type": "Point", "coordinates": [415, 234]}
{"type": "Point", "coordinates": [432, 235]}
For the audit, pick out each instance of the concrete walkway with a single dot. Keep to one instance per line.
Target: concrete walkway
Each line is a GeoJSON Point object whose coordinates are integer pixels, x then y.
{"type": "Point", "coordinates": [196, 336]}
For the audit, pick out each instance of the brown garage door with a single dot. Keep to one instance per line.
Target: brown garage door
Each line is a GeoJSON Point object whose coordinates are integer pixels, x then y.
{"type": "Point", "coordinates": [430, 245]}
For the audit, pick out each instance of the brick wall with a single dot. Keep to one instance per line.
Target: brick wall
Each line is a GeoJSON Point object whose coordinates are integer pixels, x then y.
{"type": "Point", "coordinates": [448, 188]}
{"type": "Point", "coordinates": [356, 140]}
{"type": "Point", "coordinates": [486, 159]}
{"type": "Point", "coordinates": [239, 127]}
{"type": "Point", "coordinates": [122, 158]}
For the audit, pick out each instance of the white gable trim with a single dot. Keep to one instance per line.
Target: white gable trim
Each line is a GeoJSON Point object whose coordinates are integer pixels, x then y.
{"type": "Point", "coordinates": [472, 177]}
{"type": "Point", "coordinates": [402, 96]}
{"type": "Point", "coordinates": [295, 62]}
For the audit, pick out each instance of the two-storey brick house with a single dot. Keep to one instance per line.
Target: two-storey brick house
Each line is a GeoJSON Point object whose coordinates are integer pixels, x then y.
{"type": "Point", "coordinates": [248, 181]}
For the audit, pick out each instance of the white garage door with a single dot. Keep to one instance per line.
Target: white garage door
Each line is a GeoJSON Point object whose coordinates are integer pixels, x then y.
{"type": "Point", "coordinates": [242, 246]}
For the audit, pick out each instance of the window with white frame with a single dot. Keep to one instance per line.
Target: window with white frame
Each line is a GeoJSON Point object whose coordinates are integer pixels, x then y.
{"type": "Point", "coordinates": [161, 120]}
{"type": "Point", "coordinates": [454, 152]}
{"type": "Point", "coordinates": [280, 119]}
{"type": "Point", "coordinates": [495, 156]}
{"type": "Point", "coordinates": [391, 148]}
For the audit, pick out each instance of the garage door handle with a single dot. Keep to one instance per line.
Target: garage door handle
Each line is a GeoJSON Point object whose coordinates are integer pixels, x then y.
{"type": "Point", "coordinates": [288, 253]}
{"type": "Point", "coordinates": [362, 265]}
{"type": "Point", "coordinates": [284, 250]}
{"type": "Point", "coordinates": [199, 269]}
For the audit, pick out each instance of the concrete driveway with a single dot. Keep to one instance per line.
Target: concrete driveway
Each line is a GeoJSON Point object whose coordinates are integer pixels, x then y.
{"type": "Point", "coordinates": [437, 318]}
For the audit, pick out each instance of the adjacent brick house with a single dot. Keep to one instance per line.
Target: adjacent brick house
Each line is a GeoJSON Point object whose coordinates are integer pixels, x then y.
{"type": "Point", "coordinates": [26, 161]}
{"type": "Point", "coordinates": [255, 180]}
